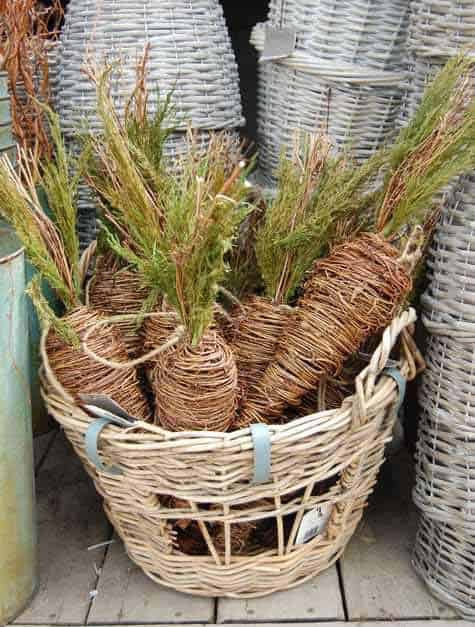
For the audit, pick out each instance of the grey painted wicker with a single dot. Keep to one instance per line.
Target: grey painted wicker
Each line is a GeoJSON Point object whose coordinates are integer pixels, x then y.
{"type": "Point", "coordinates": [445, 559]}
{"type": "Point", "coordinates": [190, 53]}
{"type": "Point", "coordinates": [441, 27]}
{"type": "Point", "coordinates": [345, 76]}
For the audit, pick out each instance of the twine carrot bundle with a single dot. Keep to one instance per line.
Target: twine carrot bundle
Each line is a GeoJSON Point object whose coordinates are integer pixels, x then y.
{"type": "Point", "coordinates": [174, 232]}
{"type": "Point", "coordinates": [356, 291]}
{"type": "Point", "coordinates": [299, 201]}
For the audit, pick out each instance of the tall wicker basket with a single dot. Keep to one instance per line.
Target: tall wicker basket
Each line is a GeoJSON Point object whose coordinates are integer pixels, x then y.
{"type": "Point", "coordinates": [190, 55]}
{"type": "Point", "coordinates": [345, 76]}
{"type": "Point", "coordinates": [444, 553]}
{"type": "Point", "coordinates": [329, 459]}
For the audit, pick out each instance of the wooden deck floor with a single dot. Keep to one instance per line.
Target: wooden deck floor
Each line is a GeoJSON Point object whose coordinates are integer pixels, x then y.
{"type": "Point", "coordinates": [80, 585]}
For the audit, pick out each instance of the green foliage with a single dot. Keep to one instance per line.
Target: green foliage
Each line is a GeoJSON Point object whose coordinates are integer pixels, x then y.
{"type": "Point", "coordinates": [437, 145]}
{"type": "Point", "coordinates": [42, 239]}
{"type": "Point", "coordinates": [47, 316]}
{"type": "Point", "coordinates": [318, 196]}
{"type": "Point", "coordinates": [59, 177]}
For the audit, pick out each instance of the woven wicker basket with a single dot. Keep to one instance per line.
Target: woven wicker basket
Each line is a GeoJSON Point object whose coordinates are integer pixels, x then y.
{"type": "Point", "coordinates": [190, 54]}
{"type": "Point", "coordinates": [445, 559]}
{"type": "Point", "coordinates": [211, 476]}
{"type": "Point", "coordinates": [345, 76]}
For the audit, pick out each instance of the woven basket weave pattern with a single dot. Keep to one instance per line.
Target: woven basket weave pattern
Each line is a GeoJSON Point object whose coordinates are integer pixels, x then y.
{"type": "Point", "coordinates": [190, 54]}
{"type": "Point", "coordinates": [345, 77]}
{"type": "Point", "coordinates": [212, 473]}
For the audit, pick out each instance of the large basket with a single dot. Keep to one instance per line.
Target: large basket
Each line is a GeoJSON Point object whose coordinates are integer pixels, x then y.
{"type": "Point", "coordinates": [330, 459]}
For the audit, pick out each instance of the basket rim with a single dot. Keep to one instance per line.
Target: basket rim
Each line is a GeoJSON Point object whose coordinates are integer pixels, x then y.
{"type": "Point", "coordinates": [370, 393]}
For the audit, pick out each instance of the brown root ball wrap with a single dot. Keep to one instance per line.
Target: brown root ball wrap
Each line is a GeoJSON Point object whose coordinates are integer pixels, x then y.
{"type": "Point", "coordinates": [116, 292]}
{"type": "Point", "coordinates": [79, 374]}
{"type": "Point", "coordinates": [157, 330]}
{"type": "Point", "coordinates": [350, 295]}
{"type": "Point", "coordinates": [196, 387]}
{"type": "Point", "coordinates": [260, 329]}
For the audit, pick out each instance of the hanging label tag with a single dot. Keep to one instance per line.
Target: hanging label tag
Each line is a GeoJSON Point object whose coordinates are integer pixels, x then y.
{"type": "Point", "coordinates": [279, 43]}
{"type": "Point", "coordinates": [314, 523]}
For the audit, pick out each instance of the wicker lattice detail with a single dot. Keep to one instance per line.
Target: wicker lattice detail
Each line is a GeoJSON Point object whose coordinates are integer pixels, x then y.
{"type": "Point", "coordinates": [190, 53]}
{"type": "Point", "coordinates": [331, 457]}
{"type": "Point", "coordinates": [445, 559]}
{"type": "Point", "coordinates": [346, 75]}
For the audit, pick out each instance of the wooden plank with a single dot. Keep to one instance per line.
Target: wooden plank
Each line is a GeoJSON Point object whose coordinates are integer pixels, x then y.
{"type": "Point", "coordinates": [317, 599]}
{"type": "Point", "coordinates": [41, 444]}
{"type": "Point", "coordinates": [378, 579]}
{"type": "Point", "coordinates": [389, 623]}
{"type": "Point", "coordinates": [70, 519]}
{"type": "Point", "coordinates": [126, 595]}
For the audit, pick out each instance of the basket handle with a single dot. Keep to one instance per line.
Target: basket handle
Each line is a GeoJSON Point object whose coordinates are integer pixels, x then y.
{"type": "Point", "coordinates": [116, 365]}
{"type": "Point", "coordinates": [366, 380]}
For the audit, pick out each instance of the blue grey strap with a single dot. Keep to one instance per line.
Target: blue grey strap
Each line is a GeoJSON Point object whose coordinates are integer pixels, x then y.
{"type": "Point", "coordinates": [401, 383]}
{"type": "Point", "coordinates": [262, 453]}
{"type": "Point", "coordinates": [91, 445]}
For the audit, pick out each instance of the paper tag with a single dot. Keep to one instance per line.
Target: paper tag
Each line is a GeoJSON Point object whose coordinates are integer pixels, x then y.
{"type": "Point", "coordinates": [279, 43]}
{"type": "Point", "coordinates": [313, 523]}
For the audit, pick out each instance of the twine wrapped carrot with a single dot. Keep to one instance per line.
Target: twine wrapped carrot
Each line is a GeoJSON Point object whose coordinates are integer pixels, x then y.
{"type": "Point", "coordinates": [79, 374]}
{"type": "Point", "coordinates": [197, 386]}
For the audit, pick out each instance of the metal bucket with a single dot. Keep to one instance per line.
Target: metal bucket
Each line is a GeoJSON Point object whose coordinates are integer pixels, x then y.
{"type": "Point", "coordinates": [7, 143]}
{"type": "Point", "coordinates": [18, 571]}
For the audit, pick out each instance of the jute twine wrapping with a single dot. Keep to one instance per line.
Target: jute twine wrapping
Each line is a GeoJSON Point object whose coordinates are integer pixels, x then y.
{"type": "Point", "coordinates": [196, 387]}
{"type": "Point", "coordinates": [113, 291]}
{"type": "Point", "coordinates": [350, 295]}
{"type": "Point", "coordinates": [260, 328]}
{"type": "Point", "coordinates": [79, 374]}
{"type": "Point", "coordinates": [212, 472]}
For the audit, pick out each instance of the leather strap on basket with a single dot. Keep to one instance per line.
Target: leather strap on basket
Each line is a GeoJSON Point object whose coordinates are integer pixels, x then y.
{"type": "Point", "coordinates": [91, 442]}
{"type": "Point", "coordinates": [400, 381]}
{"type": "Point", "coordinates": [262, 453]}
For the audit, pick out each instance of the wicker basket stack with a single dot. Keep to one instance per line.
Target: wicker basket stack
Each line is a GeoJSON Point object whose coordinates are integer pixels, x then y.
{"type": "Point", "coordinates": [190, 54]}
{"type": "Point", "coordinates": [345, 75]}
{"type": "Point", "coordinates": [444, 553]}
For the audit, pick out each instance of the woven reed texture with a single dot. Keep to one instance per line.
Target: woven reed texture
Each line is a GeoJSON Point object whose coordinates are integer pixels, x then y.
{"type": "Point", "coordinates": [449, 301]}
{"type": "Point", "coordinates": [212, 473]}
{"type": "Point", "coordinates": [116, 291]}
{"type": "Point", "coordinates": [346, 75]}
{"type": "Point", "coordinates": [445, 559]}
{"type": "Point", "coordinates": [441, 27]}
{"type": "Point", "coordinates": [190, 54]}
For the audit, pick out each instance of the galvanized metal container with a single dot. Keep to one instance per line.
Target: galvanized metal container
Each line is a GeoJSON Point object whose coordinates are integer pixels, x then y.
{"type": "Point", "coordinates": [18, 576]}
{"type": "Point", "coordinates": [7, 143]}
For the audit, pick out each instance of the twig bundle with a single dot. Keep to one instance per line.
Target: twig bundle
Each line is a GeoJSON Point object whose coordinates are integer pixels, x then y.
{"type": "Point", "coordinates": [262, 323]}
{"type": "Point", "coordinates": [357, 290]}
{"type": "Point", "coordinates": [196, 386]}
{"type": "Point", "coordinates": [155, 331]}
{"type": "Point", "coordinates": [27, 29]}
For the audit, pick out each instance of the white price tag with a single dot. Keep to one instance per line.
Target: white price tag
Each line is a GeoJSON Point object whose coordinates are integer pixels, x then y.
{"type": "Point", "coordinates": [313, 523]}
{"type": "Point", "coordinates": [279, 43]}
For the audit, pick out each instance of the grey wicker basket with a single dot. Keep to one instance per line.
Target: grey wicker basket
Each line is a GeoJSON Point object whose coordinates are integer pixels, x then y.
{"type": "Point", "coordinates": [345, 77]}
{"type": "Point", "coordinates": [190, 55]}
